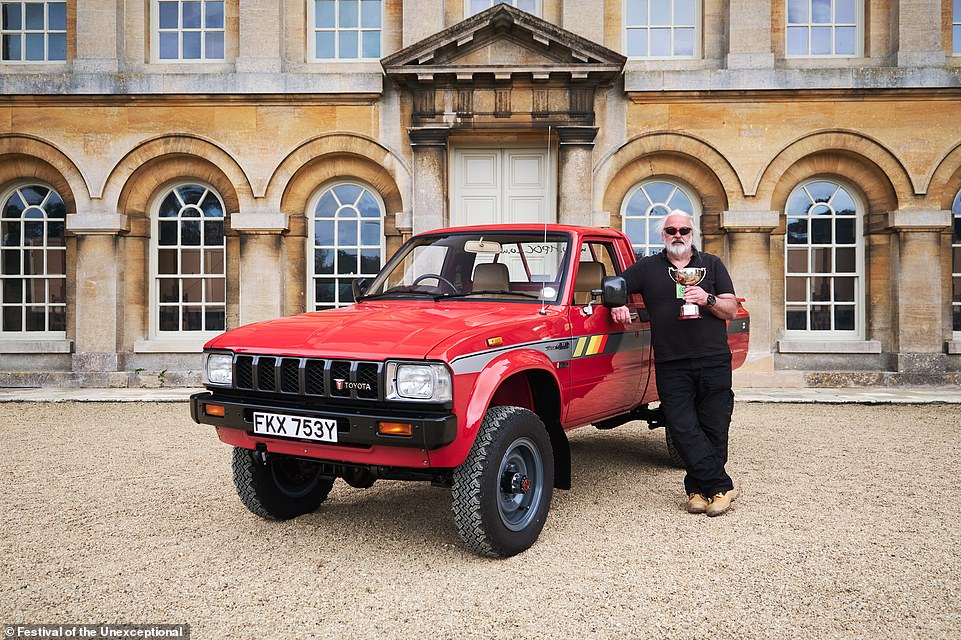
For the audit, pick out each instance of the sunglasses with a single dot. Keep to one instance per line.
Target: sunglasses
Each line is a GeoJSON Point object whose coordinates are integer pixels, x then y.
{"type": "Point", "coordinates": [674, 231]}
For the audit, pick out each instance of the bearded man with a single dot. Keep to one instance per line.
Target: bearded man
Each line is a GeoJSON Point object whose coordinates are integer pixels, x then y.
{"type": "Point", "coordinates": [692, 358]}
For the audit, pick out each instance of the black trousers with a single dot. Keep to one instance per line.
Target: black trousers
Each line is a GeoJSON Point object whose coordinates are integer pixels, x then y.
{"type": "Point", "coordinates": [698, 402]}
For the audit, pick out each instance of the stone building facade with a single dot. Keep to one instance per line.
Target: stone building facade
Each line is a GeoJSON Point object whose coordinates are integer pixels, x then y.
{"type": "Point", "coordinates": [171, 168]}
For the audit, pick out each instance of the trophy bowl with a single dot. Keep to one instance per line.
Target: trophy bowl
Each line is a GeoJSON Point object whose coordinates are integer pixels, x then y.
{"type": "Point", "coordinates": [688, 276]}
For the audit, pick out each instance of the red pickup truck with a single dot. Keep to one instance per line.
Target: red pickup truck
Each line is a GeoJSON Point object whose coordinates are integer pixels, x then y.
{"type": "Point", "coordinates": [463, 363]}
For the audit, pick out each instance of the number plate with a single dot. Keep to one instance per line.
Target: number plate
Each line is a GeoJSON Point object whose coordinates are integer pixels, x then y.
{"type": "Point", "coordinates": [275, 424]}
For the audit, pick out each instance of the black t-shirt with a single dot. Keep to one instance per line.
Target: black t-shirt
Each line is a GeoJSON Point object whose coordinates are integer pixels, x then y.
{"type": "Point", "coordinates": [676, 339]}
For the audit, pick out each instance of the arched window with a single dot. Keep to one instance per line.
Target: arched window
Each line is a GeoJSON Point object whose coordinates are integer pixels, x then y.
{"type": "Point", "coordinates": [33, 263]}
{"type": "Point", "coordinates": [824, 262]}
{"type": "Point", "coordinates": [346, 242]}
{"type": "Point", "coordinates": [647, 204]}
{"type": "Point", "coordinates": [956, 264]}
{"type": "Point", "coordinates": [188, 280]}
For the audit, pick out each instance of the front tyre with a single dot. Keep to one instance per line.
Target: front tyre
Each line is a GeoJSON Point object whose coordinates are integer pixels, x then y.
{"type": "Point", "coordinates": [502, 492]}
{"type": "Point", "coordinates": [281, 489]}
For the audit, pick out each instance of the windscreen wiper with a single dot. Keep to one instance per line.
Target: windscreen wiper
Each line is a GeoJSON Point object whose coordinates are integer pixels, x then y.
{"type": "Point", "coordinates": [444, 296]}
{"type": "Point", "coordinates": [396, 291]}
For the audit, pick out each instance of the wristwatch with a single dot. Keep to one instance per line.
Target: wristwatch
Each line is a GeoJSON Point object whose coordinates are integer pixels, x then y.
{"type": "Point", "coordinates": [711, 299]}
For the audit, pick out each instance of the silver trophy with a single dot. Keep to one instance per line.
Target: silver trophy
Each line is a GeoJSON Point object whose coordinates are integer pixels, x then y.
{"type": "Point", "coordinates": [688, 276]}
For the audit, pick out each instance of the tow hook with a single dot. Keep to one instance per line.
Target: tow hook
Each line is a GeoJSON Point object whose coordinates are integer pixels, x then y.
{"type": "Point", "coordinates": [514, 483]}
{"type": "Point", "coordinates": [260, 454]}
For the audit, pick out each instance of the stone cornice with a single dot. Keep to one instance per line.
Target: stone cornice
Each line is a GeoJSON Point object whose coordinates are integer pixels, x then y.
{"type": "Point", "coordinates": [919, 220]}
{"type": "Point", "coordinates": [258, 222]}
{"type": "Point", "coordinates": [97, 223]}
{"type": "Point", "coordinates": [745, 221]}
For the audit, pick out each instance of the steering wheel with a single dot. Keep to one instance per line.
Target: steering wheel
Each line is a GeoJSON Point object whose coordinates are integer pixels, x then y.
{"type": "Point", "coordinates": [434, 276]}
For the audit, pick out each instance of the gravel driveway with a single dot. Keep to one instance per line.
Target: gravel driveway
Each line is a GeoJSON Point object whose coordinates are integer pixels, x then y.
{"type": "Point", "coordinates": [848, 527]}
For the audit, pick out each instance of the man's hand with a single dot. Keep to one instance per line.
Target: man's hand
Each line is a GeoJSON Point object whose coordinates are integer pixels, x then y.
{"type": "Point", "coordinates": [695, 294]}
{"type": "Point", "coordinates": [621, 314]}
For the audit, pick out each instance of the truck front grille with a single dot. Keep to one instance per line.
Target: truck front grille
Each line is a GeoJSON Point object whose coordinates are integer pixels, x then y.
{"type": "Point", "coordinates": [347, 379]}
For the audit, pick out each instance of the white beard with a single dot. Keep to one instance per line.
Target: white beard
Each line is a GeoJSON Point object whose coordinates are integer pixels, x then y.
{"type": "Point", "coordinates": [678, 250]}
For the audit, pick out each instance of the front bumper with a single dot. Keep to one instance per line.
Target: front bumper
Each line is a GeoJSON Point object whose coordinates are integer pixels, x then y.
{"type": "Point", "coordinates": [355, 428]}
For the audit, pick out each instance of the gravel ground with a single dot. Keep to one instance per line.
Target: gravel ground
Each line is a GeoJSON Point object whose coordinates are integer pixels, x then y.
{"type": "Point", "coordinates": [847, 528]}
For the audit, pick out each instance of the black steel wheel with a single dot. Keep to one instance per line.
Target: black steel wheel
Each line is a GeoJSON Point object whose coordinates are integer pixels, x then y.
{"type": "Point", "coordinates": [502, 492]}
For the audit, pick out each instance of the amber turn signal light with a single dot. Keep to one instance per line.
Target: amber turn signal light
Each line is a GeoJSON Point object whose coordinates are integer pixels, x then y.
{"type": "Point", "coordinates": [395, 428]}
{"type": "Point", "coordinates": [495, 342]}
{"type": "Point", "coordinates": [214, 410]}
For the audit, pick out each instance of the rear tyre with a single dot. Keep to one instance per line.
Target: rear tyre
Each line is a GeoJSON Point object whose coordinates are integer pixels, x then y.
{"type": "Point", "coordinates": [281, 489]}
{"type": "Point", "coordinates": [502, 492]}
{"type": "Point", "coordinates": [672, 451]}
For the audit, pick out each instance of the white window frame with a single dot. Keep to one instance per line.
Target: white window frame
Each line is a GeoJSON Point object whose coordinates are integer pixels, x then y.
{"type": "Point", "coordinates": [23, 32]}
{"type": "Point", "coordinates": [956, 28]}
{"type": "Point", "coordinates": [697, 26]}
{"type": "Point", "coordinates": [858, 31]}
{"type": "Point", "coordinates": [860, 275]}
{"type": "Point", "coordinates": [312, 276]}
{"type": "Point", "coordinates": [155, 32]}
{"type": "Point", "coordinates": [955, 264]}
{"type": "Point", "coordinates": [313, 30]}
{"type": "Point", "coordinates": [154, 332]}
{"type": "Point", "coordinates": [641, 187]}
{"type": "Point", "coordinates": [24, 334]}
{"type": "Point", "coordinates": [468, 10]}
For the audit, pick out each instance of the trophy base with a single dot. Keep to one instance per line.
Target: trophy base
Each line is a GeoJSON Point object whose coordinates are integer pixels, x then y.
{"type": "Point", "coordinates": [689, 312]}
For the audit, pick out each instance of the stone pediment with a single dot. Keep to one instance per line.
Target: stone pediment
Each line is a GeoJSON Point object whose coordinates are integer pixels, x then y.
{"type": "Point", "coordinates": [503, 43]}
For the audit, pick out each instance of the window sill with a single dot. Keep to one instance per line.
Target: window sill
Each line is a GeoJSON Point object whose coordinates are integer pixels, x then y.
{"type": "Point", "coordinates": [171, 345]}
{"type": "Point", "coordinates": [953, 346]}
{"type": "Point", "coordinates": [828, 346]}
{"type": "Point", "coordinates": [36, 346]}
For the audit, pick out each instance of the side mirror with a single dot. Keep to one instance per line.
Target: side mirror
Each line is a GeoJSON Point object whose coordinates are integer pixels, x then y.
{"type": "Point", "coordinates": [614, 292]}
{"type": "Point", "coordinates": [359, 286]}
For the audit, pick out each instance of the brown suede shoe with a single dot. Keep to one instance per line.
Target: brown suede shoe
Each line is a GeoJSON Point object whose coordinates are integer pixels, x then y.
{"type": "Point", "coordinates": [721, 502]}
{"type": "Point", "coordinates": [697, 503]}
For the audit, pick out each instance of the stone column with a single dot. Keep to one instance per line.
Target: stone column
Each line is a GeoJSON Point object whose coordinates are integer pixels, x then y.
{"type": "Point", "coordinates": [920, 308]}
{"type": "Point", "coordinates": [97, 37]}
{"type": "Point", "coordinates": [261, 265]}
{"type": "Point", "coordinates": [260, 29]}
{"type": "Point", "coordinates": [429, 209]}
{"type": "Point", "coordinates": [575, 175]}
{"type": "Point", "coordinates": [749, 250]}
{"type": "Point", "coordinates": [422, 18]}
{"type": "Point", "coordinates": [749, 35]}
{"type": "Point", "coordinates": [97, 305]}
{"type": "Point", "coordinates": [919, 33]}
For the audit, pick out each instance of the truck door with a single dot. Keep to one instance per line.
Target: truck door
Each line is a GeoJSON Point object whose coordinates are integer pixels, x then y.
{"type": "Point", "coordinates": [610, 360]}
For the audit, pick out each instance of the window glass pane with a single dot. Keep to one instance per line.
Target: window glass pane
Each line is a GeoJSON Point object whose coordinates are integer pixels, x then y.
{"type": "Point", "coordinates": [191, 193]}
{"type": "Point", "coordinates": [58, 290]}
{"type": "Point", "coordinates": [213, 233]}
{"type": "Point", "coordinates": [190, 232]}
{"type": "Point", "coordinates": [347, 43]}
{"type": "Point", "coordinates": [168, 232]}
{"type": "Point", "coordinates": [169, 289]}
{"type": "Point", "coordinates": [214, 15]}
{"type": "Point", "coordinates": [11, 48]}
{"type": "Point", "coordinates": [324, 261]}
{"type": "Point", "coordinates": [821, 11]}
{"type": "Point", "coordinates": [33, 233]}
{"type": "Point", "coordinates": [348, 193]}
{"type": "Point", "coordinates": [193, 289]}
{"type": "Point", "coordinates": [36, 319]}
{"type": "Point", "coordinates": [168, 15]}
{"type": "Point", "coordinates": [324, 14]}
{"type": "Point", "coordinates": [346, 232]}
{"type": "Point", "coordinates": [844, 259]}
{"type": "Point", "coordinates": [370, 13]}
{"type": "Point", "coordinates": [169, 318]}
{"type": "Point", "coordinates": [660, 42]}
{"type": "Point", "coordinates": [821, 260]}
{"type": "Point", "coordinates": [636, 42]}
{"type": "Point", "coordinates": [844, 230]}
{"type": "Point", "coordinates": [684, 42]}
{"type": "Point", "coordinates": [57, 46]}
{"type": "Point", "coordinates": [844, 11]}
{"type": "Point", "coordinates": [190, 261]}
{"type": "Point", "coordinates": [842, 203]}
{"type": "Point", "coordinates": [215, 319]}
{"type": "Point", "coordinates": [33, 16]}
{"type": "Point", "coordinates": [820, 318]}
{"type": "Point", "coordinates": [368, 206]}
{"type": "Point", "coordinates": [684, 12]}
{"type": "Point", "coordinates": [347, 262]}
{"type": "Point", "coordinates": [325, 44]}
{"type": "Point", "coordinates": [56, 262]}
{"type": "Point", "coordinates": [324, 232]}
{"type": "Point", "coordinates": [214, 261]}
{"type": "Point", "coordinates": [191, 45]}
{"type": "Point", "coordinates": [634, 229]}
{"type": "Point", "coordinates": [821, 231]}
{"type": "Point", "coordinates": [660, 12]}
{"type": "Point", "coordinates": [797, 260]}
{"type": "Point", "coordinates": [169, 46]}
{"type": "Point", "coordinates": [844, 318]}
{"type": "Point", "coordinates": [10, 234]}
{"type": "Point", "coordinates": [370, 233]}
{"type": "Point", "coordinates": [371, 44]}
{"type": "Point", "coordinates": [324, 291]}
{"type": "Point", "coordinates": [215, 290]}
{"type": "Point", "coordinates": [34, 46]}
{"type": "Point", "coordinates": [12, 16]}
{"type": "Point", "coordinates": [797, 231]}
{"type": "Point", "coordinates": [659, 191]}
{"type": "Point", "coordinates": [956, 39]}
{"type": "Point", "coordinates": [10, 262]}
{"type": "Point", "coordinates": [821, 289]}
{"type": "Point", "coordinates": [845, 41]}
{"type": "Point", "coordinates": [370, 261]}
{"type": "Point", "coordinates": [57, 16]}
{"type": "Point", "coordinates": [167, 261]}
{"type": "Point", "coordinates": [214, 45]}
{"type": "Point", "coordinates": [796, 319]}
{"type": "Point", "coordinates": [530, 6]}
{"type": "Point", "coordinates": [680, 201]}
{"type": "Point", "coordinates": [821, 191]}
{"type": "Point", "coordinates": [348, 14]}
{"type": "Point", "coordinates": [821, 41]}
{"type": "Point", "coordinates": [344, 290]}
{"type": "Point", "coordinates": [13, 290]}
{"type": "Point", "coordinates": [795, 289]}
{"type": "Point", "coordinates": [55, 233]}
{"type": "Point", "coordinates": [12, 319]}
{"type": "Point", "coordinates": [797, 11]}
{"type": "Point", "coordinates": [476, 6]}
{"type": "Point", "coordinates": [797, 41]}
{"type": "Point", "coordinates": [58, 319]}
{"type": "Point", "coordinates": [636, 12]}
{"type": "Point", "coordinates": [191, 15]}
{"type": "Point", "coordinates": [193, 318]}
{"type": "Point", "coordinates": [844, 289]}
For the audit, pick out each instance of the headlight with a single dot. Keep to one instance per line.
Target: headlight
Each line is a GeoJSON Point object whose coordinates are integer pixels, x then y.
{"type": "Point", "coordinates": [218, 369]}
{"type": "Point", "coordinates": [428, 382]}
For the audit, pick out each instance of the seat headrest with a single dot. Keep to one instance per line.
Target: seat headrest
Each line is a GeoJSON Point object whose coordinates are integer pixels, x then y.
{"type": "Point", "coordinates": [589, 276]}
{"type": "Point", "coordinates": [491, 277]}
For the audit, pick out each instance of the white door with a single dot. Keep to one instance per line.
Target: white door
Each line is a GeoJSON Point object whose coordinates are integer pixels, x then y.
{"type": "Point", "coordinates": [501, 186]}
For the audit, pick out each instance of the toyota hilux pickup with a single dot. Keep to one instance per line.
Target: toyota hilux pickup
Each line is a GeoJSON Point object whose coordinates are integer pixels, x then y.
{"type": "Point", "coordinates": [464, 363]}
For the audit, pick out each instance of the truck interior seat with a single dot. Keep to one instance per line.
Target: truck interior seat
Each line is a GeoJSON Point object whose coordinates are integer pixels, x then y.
{"type": "Point", "coordinates": [589, 276]}
{"type": "Point", "coordinates": [491, 277]}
